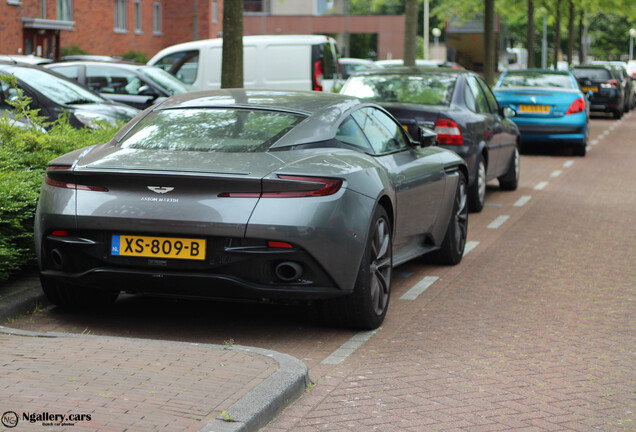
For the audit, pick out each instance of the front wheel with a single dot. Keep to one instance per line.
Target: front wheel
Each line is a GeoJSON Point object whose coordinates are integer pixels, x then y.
{"type": "Point", "coordinates": [477, 192]}
{"type": "Point", "coordinates": [510, 180]}
{"type": "Point", "coordinates": [451, 251]}
{"type": "Point", "coordinates": [366, 307]}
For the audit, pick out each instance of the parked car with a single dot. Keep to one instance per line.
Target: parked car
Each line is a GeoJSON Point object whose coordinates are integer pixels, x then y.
{"type": "Point", "coordinates": [626, 82]}
{"type": "Point", "coordinates": [98, 58]}
{"type": "Point", "coordinates": [282, 62]}
{"type": "Point", "coordinates": [419, 63]}
{"type": "Point", "coordinates": [54, 94]}
{"type": "Point", "coordinates": [550, 106]}
{"type": "Point", "coordinates": [631, 69]}
{"type": "Point", "coordinates": [462, 110]}
{"type": "Point", "coordinates": [133, 84]}
{"type": "Point", "coordinates": [607, 93]}
{"type": "Point", "coordinates": [21, 58]}
{"type": "Point", "coordinates": [350, 66]}
{"type": "Point", "coordinates": [250, 195]}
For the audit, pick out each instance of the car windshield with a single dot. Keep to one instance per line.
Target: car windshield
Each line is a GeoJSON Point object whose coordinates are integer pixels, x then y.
{"type": "Point", "coordinates": [210, 130]}
{"type": "Point", "coordinates": [56, 89]}
{"type": "Point", "coordinates": [536, 79]}
{"type": "Point", "coordinates": [424, 89]}
{"type": "Point", "coordinates": [164, 80]}
{"type": "Point", "coordinates": [599, 74]}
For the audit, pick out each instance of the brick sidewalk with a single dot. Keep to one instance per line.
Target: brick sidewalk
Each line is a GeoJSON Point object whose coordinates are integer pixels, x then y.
{"type": "Point", "coordinates": [124, 384]}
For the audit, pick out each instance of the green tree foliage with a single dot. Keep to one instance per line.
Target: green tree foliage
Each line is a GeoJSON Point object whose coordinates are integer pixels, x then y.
{"type": "Point", "coordinates": [24, 152]}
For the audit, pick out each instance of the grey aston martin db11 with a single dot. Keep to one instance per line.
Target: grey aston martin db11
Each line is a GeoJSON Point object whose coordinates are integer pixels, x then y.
{"type": "Point", "coordinates": [255, 195]}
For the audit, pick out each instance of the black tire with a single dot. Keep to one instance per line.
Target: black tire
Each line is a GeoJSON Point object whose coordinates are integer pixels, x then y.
{"type": "Point", "coordinates": [73, 297]}
{"type": "Point", "coordinates": [366, 307]}
{"type": "Point", "coordinates": [617, 114]}
{"type": "Point", "coordinates": [477, 192]}
{"type": "Point", "coordinates": [510, 180]}
{"type": "Point", "coordinates": [451, 251]}
{"type": "Point", "coordinates": [579, 150]}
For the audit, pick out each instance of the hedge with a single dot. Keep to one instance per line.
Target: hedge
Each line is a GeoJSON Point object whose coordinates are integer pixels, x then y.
{"type": "Point", "coordinates": [24, 153]}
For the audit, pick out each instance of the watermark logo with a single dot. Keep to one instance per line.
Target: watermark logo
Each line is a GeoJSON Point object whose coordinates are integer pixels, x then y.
{"type": "Point", "coordinates": [9, 419]}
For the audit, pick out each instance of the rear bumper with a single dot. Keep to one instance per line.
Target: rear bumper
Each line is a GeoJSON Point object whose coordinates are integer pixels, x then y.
{"type": "Point", "coordinates": [566, 128]}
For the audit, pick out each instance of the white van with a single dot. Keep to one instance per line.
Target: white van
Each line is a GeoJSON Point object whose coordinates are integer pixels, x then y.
{"type": "Point", "coordinates": [282, 62]}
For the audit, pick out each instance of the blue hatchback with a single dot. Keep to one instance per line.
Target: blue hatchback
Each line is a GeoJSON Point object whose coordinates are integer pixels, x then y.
{"type": "Point", "coordinates": [550, 106]}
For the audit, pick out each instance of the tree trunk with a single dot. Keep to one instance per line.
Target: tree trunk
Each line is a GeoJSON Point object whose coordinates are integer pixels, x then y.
{"type": "Point", "coordinates": [530, 34]}
{"type": "Point", "coordinates": [232, 59]}
{"type": "Point", "coordinates": [489, 41]}
{"type": "Point", "coordinates": [571, 33]}
{"type": "Point", "coordinates": [410, 32]}
{"type": "Point", "coordinates": [580, 38]}
{"type": "Point", "coordinates": [557, 34]}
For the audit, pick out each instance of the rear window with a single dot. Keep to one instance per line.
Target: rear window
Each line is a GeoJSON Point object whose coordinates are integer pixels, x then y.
{"type": "Point", "coordinates": [429, 89]}
{"type": "Point", "coordinates": [534, 79]}
{"type": "Point", "coordinates": [210, 130]}
{"type": "Point", "coordinates": [597, 74]}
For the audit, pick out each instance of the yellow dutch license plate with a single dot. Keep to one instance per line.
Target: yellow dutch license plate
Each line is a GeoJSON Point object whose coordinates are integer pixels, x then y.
{"type": "Point", "coordinates": [535, 109]}
{"type": "Point", "coordinates": [158, 247]}
{"type": "Point", "coordinates": [587, 89]}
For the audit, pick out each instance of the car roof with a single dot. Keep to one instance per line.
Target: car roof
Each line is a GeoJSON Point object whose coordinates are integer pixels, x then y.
{"type": "Point", "coordinates": [592, 66]}
{"type": "Point", "coordinates": [539, 70]}
{"type": "Point", "coordinates": [131, 66]}
{"type": "Point", "coordinates": [413, 70]}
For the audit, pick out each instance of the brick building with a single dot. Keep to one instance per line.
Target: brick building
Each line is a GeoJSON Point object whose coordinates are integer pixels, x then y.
{"type": "Point", "coordinates": [114, 27]}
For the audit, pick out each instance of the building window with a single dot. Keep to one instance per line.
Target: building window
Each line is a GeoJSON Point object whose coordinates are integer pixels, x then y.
{"type": "Point", "coordinates": [137, 16]}
{"type": "Point", "coordinates": [43, 9]}
{"type": "Point", "coordinates": [120, 15]}
{"type": "Point", "coordinates": [156, 18]}
{"type": "Point", "coordinates": [253, 6]}
{"type": "Point", "coordinates": [215, 12]}
{"type": "Point", "coordinates": [65, 10]}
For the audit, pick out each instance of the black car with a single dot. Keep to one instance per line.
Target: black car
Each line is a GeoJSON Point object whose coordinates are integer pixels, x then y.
{"type": "Point", "coordinates": [608, 94]}
{"type": "Point", "coordinates": [134, 84]}
{"type": "Point", "coordinates": [54, 94]}
{"type": "Point", "coordinates": [462, 110]}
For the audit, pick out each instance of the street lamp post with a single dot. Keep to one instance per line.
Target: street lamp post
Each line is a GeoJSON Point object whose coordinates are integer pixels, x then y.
{"type": "Point", "coordinates": [632, 35]}
{"type": "Point", "coordinates": [436, 34]}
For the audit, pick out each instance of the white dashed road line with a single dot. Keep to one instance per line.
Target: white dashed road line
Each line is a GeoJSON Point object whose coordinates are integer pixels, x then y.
{"type": "Point", "coordinates": [556, 173]}
{"type": "Point", "coordinates": [541, 186]}
{"type": "Point", "coordinates": [522, 201]}
{"type": "Point", "coordinates": [348, 348]}
{"type": "Point", "coordinates": [594, 142]}
{"type": "Point", "coordinates": [419, 288]}
{"type": "Point", "coordinates": [568, 164]}
{"type": "Point", "coordinates": [499, 221]}
{"type": "Point", "coordinates": [470, 246]}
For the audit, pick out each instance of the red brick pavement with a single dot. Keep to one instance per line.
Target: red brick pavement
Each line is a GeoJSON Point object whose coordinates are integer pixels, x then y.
{"type": "Point", "coordinates": [124, 384]}
{"type": "Point", "coordinates": [534, 331]}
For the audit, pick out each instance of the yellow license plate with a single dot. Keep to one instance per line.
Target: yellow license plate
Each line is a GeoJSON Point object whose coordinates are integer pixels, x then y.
{"type": "Point", "coordinates": [536, 109]}
{"type": "Point", "coordinates": [587, 89]}
{"type": "Point", "coordinates": [158, 247]}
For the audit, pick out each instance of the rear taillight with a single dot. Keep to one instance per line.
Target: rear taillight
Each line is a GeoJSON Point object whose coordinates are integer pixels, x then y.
{"type": "Point", "coordinates": [576, 107]}
{"type": "Point", "coordinates": [448, 132]}
{"type": "Point", "coordinates": [60, 233]}
{"type": "Point", "coordinates": [57, 170]}
{"type": "Point", "coordinates": [610, 84]}
{"type": "Point", "coordinates": [297, 186]}
{"type": "Point", "coordinates": [318, 74]}
{"type": "Point", "coordinates": [277, 244]}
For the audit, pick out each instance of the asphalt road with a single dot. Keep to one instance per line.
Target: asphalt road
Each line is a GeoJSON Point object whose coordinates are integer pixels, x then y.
{"type": "Point", "coordinates": [533, 331]}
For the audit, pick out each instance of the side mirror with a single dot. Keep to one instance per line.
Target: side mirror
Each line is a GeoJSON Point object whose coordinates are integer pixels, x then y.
{"type": "Point", "coordinates": [508, 112]}
{"type": "Point", "coordinates": [146, 90]}
{"type": "Point", "coordinates": [428, 137]}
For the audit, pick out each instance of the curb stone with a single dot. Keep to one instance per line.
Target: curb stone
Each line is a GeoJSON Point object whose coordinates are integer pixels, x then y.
{"type": "Point", "coordinates": [254, 410]}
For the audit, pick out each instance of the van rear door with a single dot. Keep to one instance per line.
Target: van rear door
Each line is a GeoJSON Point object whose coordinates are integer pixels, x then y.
{"type": "Point", "coordinates": [325, 66]}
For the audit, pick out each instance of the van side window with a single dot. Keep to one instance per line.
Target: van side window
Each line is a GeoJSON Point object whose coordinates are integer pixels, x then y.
{"type": "Point", "coordinates": [182, 64]}
{"type": "Point", "coordinates": [328, 62]}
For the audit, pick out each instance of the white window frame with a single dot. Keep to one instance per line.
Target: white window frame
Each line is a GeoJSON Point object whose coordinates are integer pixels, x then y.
{"type": "Point", "coordinates": [138, 17]}
{"type": "Point", "coordinates": [121, 16]}
{"type": "Point", "coordinates": [156, 18]}
{"type": "Point", "coordinates": [65, 10]}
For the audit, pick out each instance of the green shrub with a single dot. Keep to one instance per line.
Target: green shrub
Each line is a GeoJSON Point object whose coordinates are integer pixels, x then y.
{"type": "Point", "coordinates": [24, 153]}
{"type": "Point", "coordinates": [137, 56]}
{"type": "Point", "coordinates": [72, 50]}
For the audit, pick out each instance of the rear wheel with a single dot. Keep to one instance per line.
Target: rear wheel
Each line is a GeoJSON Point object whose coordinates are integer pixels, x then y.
{"type": "Point", "coordinates": [366, 307]}
{"type": "Point", "coordinates": [617, 113]}
{"type": "Point", "coordinates": [451, 251]}
{"type": "Point", "coordinates": [75, 297]}
{"type": "Point", "coordinates": [510, 180]}
{"type": "Point", "coordinates": [477, 192]}
{"type": "Point", "coordinates": [579, 149]}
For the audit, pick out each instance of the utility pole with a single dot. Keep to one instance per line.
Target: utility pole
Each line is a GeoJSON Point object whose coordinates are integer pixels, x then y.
{"type": "Point", "coordinates": [544, 44]}
{"type": "Point", "coordinates": [425, 32]}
